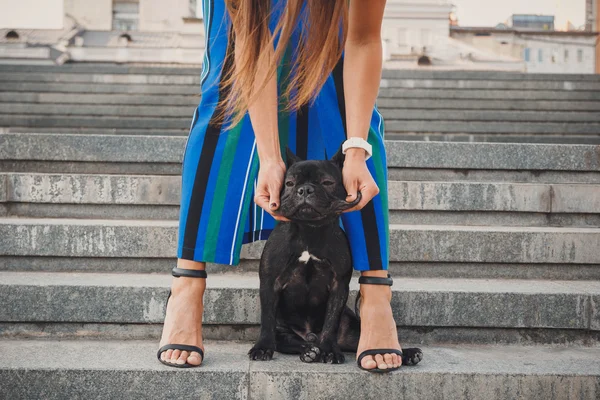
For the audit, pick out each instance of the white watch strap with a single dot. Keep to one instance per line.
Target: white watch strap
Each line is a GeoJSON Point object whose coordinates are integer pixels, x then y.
{"type": "Point", "coordinates": [360, 143]}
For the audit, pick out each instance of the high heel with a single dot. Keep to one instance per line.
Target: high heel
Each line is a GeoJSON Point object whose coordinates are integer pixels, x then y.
{"type": "Point", "coordinates": [188, 273]}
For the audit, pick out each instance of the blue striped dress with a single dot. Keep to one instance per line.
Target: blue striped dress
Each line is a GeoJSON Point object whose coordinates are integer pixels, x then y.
{"type": "Point", "coordinates": [220, 167]}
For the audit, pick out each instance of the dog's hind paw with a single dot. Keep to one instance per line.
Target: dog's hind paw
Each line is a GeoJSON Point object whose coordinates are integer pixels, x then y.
{"type": "Point", "coordinates": [315, 354]}
{"type": "Point", "coordinates": [412, 356]}
{"type": "Point", "coordinates": [311, 354]}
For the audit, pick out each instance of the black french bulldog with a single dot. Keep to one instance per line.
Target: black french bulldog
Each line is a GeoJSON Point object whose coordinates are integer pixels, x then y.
{"type": "Point", "coordinates": [306, 267]}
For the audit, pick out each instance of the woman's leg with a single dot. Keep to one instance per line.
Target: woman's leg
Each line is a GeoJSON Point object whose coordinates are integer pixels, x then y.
{"type": "Point", "coordinates": [183, 320]}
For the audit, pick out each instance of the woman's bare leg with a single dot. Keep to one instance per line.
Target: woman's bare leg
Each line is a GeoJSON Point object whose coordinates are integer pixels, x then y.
{"type": "Point", "coordinates": [377, 326]}
{"type": "Point", "coordinates": [183, 319]}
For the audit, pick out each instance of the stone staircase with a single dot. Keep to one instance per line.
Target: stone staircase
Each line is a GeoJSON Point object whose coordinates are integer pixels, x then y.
{"type": "Point", "coordinates": [448, 106]}
{"type": "Point", "coordinates": [495, 247]}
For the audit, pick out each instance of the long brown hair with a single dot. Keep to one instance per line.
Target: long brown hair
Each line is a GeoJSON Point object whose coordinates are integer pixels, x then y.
{"type": "Point", "coordinates": [322, 39]}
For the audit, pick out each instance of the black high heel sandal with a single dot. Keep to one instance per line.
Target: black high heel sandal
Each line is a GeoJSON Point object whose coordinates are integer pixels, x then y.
{"type": "Point", "coordinates": [411, 356]}
{"type": "Point", "coordinates": [188, 273]}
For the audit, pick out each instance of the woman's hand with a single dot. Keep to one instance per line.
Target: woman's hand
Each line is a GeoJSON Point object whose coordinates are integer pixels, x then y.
{"type": "Point", "coordinates": [268, 186]}
{"type": "Point", "coordinates": [357, 177]}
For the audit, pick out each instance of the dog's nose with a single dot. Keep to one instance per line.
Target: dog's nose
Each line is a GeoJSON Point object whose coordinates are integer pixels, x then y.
{"type": "Point", "coordinates": [305, 190]}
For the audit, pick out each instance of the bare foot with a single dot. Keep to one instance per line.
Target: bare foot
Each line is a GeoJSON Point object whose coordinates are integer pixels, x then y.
{"type": "Point", "coordinates": [377, 325]}
{"type": "Point", "coordinates": [183, 319]}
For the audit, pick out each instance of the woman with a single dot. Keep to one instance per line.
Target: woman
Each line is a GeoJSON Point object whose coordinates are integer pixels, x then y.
{"type": "Point", "coordinates": [274, 76]}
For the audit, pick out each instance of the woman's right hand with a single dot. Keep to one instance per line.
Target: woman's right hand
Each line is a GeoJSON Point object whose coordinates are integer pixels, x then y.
{"type": "Point", "coordinates": [268, 186]}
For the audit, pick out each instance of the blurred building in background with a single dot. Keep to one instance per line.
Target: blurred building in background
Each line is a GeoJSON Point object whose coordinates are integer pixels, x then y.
{"type": "Point", "coordinates": [532, 22]}
{"type": "Point", "coordinates": [540, 51]}
{"type": "Point", "coordinates": [121, 31]}
{"type": "Point", "coordinates": [416, 34]}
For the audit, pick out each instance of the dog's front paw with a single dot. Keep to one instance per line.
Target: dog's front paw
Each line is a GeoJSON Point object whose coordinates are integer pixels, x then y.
{"type": "Point", "coordinates": [334, 357]}
{"type": "Point", "coordinates": [316, 354]}
{"type": "Point", "coordinates": [310, 354]}
{"type": "Point", "coordinates": [261, 352]}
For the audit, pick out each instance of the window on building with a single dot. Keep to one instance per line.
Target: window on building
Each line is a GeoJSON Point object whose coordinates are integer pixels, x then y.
{"type": "Point", "coordinates": [566, 55]}
{"type": "Point", "coordinates": [402, 36]}
{"type": "Point", "coordinates": [541, 55]}
{"type": "Point", "coordinates": [579, 55]}
{"type": "Point", "coordinates": [527, 54]}
{"type": "Point", "coordinates": [126, 15]}
{"type": "Point", "coordinates": [194, 9]}
{"type": "Point", "coordinates": [425, 37]}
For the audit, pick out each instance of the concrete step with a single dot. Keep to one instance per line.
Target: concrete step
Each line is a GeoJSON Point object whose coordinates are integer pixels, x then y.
{"type": "Point", "coordinates": [130, 78]}
{"type": "Point", "coordinates": [398, 116]}
{"type": "Point", "coordinates": [419, 126]}
{"type": "Point", "coordinates": [233, 300]}
{"type": "Point", "coordinates": [477, 94]}
{"type": "Point", "coordinates": [99, 68]}
{"type": "Point", "coordinates": [437, 137]}
{"type": "Point", "coordinates": [102, 68]}
{"type": "Point", "coordinates": [185, 112]}
{"type": "Point", "coordinates": [485, 75]}
{"type": "Point", "coordinates": [390, 115]}
{"type": "Point", "coordinates": [492, 127]}
{"type": "Point", "coordinates": [400, 154]}
{"type": "Point", "coordinates": [100, 88]}
{"type": "Point", "coordinates": [106, 122]}
{"type": "Point", "coordinates": [400, 269]}
{"type": "Point", "coordinates": [517, 105]}
{"type": "Point", "coordinates": [128, 100]}
{"type": "Point", "coordinates": [99, 98]}
{"type": "Point", "coordinates": [420, 83]}
{"type": "Point", "coordinates": [393, 136]}
{"type": "Point", "coordinates": [55, 237]}
{"type": "Point", "coordinates": [113, 131]}
{"type": "Point", "coordinates": [194, 80]}
{"type": "Point", "coordinates": [434, 93]}
{"type": "Point", "coordinates": [407, 160]}
{"type": "Point", "coordinates": [59, 195]}
{"type": "Point", "coordinates": [117, 369]}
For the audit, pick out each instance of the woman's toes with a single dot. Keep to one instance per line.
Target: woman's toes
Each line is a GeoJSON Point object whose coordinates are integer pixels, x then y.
{"type": "Point", "coordinates": [389, 360]}
{"type": "Point", "coordinates": [380, 361]}
{"type": "Point", "coordinates": [194, 358]}
{"type": "Point", "coordinates": [168, 355]}
{"type": "Point", "coordinates": [182, 358]}
{"type": "Point", "coordinates": [397, 360]}
{"type": "Point", "coordinates": [175, 355]}
{"type": "Point", "coordinates": [368, 362]}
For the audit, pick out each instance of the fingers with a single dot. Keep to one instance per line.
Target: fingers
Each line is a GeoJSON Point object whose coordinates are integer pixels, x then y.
{"type": "Point", "coordinates": [351, 189]}
{"type": "Point", "coordinates": [264, 201]}
{"type": "Point", "coordinates": [367, 194]}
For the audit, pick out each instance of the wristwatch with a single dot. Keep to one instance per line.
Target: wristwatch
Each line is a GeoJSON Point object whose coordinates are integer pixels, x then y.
{"type": "Point", "coordinates": [359, 143]}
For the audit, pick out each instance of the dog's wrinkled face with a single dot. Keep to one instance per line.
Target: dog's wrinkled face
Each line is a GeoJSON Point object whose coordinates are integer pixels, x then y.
{"type": "Point", "coordinates": [313, 191]}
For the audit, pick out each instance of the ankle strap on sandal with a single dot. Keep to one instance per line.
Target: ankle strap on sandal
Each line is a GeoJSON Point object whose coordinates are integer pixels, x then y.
{"type": "Point", "coordinates": [375, 280]}
{"type": "Point", "coordinates": [188, 273]}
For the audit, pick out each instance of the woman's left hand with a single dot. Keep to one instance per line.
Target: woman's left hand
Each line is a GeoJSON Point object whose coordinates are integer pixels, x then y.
{"type": "Point", "coordinates": [357, 177]}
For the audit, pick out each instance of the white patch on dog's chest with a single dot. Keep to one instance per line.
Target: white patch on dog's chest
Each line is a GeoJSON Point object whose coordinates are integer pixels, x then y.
{"type": "Point", "coordinates": [306, 256]}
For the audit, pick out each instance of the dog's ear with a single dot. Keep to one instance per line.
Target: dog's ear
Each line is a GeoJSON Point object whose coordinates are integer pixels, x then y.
{"type": "Point", "coordinates": [338, 158]}
{"type": "Point", "coordinates": [290, 157]}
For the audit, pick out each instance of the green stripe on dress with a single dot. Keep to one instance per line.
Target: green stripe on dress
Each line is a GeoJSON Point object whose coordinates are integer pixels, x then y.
{"type": "Point", "coordinates": [381, 180]}
{"type": "Point", "coordinates": [220, 192]}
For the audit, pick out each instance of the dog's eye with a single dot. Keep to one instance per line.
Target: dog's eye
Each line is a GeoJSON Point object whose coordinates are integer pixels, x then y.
{"type": "Point", "coordinates": [289, 184]}
{"type": "Point", "coordinates": [327, 183]}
